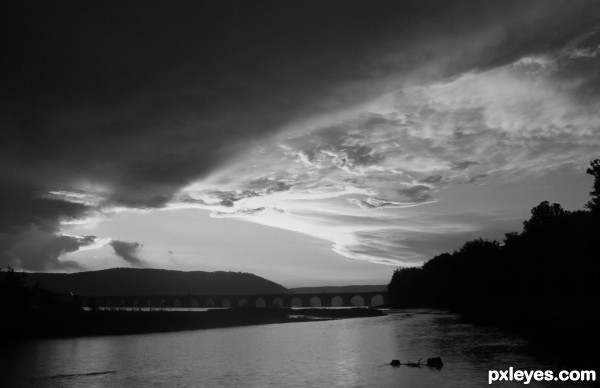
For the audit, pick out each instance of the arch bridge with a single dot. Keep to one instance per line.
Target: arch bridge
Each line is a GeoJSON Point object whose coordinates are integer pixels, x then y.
{"type": "Point", "coordinates": [344, 299]}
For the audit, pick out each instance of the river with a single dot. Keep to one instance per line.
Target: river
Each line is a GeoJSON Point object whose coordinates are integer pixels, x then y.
{"type": "Point", "coordinates": [341, 353]}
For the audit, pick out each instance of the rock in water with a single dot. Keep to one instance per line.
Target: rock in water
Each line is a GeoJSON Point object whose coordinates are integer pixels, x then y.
{"type": "Point", "coordinates": [395, 363]}
{"type": "Point", "coordinates": [435, 362]}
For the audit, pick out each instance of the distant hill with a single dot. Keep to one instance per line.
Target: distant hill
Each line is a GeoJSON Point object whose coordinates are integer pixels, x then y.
{"type": "Point", "coordinates": [332, 289]}
{"type": "Point", "coordinates": [135, 281]}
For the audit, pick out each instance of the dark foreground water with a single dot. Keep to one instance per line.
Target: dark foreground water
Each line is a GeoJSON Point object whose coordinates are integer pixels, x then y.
{"type": "Point", "coordinates": [342, 353]}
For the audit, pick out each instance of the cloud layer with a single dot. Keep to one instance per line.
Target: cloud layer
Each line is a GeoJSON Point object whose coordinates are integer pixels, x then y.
{"type": "Point", "coordinates": [338, 116]}
{"type": "Point", "coordinates": [350, 178]}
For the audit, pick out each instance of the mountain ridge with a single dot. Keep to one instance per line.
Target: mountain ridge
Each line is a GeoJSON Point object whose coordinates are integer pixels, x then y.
{"type": "Point", "coordinates": [151, 281]}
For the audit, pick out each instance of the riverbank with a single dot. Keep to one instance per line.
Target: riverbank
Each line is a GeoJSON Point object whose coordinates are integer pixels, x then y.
{"type": "Point", "coordinates": [50, 324]}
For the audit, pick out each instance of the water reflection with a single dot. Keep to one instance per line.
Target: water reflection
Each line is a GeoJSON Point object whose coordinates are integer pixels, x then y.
{"type": "Point", "coordinates": [343, 353]}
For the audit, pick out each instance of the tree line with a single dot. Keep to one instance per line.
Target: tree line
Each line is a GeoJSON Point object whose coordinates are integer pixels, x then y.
{"type": "Point", "coordinates": [18, 297]}
{"type": "Point", "coordinates": [547, 275]}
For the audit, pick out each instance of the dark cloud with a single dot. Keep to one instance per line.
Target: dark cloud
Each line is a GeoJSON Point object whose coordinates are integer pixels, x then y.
{"type": "Point", "coordinates": [188, 199]}
{"type": "Point", "coordinates": [29, 224]}
{"type": "Point", "coordinates": [25, 207]}
{"type": "Point", "coordinates": [433, 179]}
{"type": "Point", "coordinates": [133, 100]}
{"type": "Point", "coordinates": [143, 97]}
{"type": "Point", "coordinates": [128, 251]}
{"type": "Point", "coordinates": [37, 249]}
{"type": "Point", "coordinates": [417, 194]}
{"type": "Point", "coordinates": [360, 155]}
{"type": "Point", "coordinates": [462, 165]}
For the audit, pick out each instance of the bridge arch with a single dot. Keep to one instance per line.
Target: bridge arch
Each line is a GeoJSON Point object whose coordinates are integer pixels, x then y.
{"type": "Point", "coordinates": [377, 300]}
{"type": "Point", "coordinates": [357, 300]}
{"type": "Point", "coordinates": [336, 301]}
{"type": "Point", "coordinates": [315, 301]}
{"type": "Point", "coordinates": [277, 302]}
{"type": "Point", "coordinates": [226, 303]}
{"type": "Point", "coordinates": [243, 302]}
{"type": "Point", "coordinates": [296, 302]}
{"type": "Point", "coordinates": [260, 303]}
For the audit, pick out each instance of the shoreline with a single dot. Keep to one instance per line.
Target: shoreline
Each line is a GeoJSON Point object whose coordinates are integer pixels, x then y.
{"type": "Point", "coordinates": [52, 324]}
{"type": "Point", "coordinates": [557, 334]}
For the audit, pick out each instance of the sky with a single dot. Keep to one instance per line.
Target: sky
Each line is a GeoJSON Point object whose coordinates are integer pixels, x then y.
{"type": "Point", "coordinates": [311, 143]}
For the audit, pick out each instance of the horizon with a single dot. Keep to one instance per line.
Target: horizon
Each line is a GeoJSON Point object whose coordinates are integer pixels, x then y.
{"type": "Point", "coordinates": [307, 144]}
{"type": "Point", "coordinates": [176, 270]}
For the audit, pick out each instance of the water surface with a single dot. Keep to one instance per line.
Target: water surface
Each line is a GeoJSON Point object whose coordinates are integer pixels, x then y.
{"type": "Point", "coordinates": [341, 353]}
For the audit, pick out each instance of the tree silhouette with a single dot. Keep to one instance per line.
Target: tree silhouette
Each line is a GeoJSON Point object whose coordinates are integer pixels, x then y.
{"type": "Point", "coordinates": [15, 294]}
{"type": "Point", "coordinates": [543, 215]}
{"type": "Point", "coordinates": [594, 203]}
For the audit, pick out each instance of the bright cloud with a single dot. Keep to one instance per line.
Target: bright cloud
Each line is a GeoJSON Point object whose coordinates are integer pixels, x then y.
{"type": "Point", "coordinates": [350, 179]}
